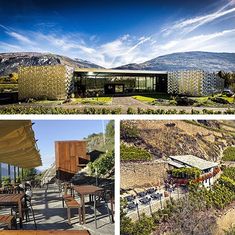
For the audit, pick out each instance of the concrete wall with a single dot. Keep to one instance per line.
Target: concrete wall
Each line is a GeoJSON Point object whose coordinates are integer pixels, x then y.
{"type": "Point", "coordinates": [135, 174]}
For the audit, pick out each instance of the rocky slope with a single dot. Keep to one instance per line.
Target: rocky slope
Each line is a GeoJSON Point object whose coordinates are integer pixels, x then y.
{"type": "Point", "coordinates": [205, 139]}
{"type": "Point", "coordinates": [10, 62]}
{"type": "Point", "coordinates": [208, 61]}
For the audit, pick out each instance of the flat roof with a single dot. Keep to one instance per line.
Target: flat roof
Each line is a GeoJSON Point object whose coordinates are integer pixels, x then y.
{"type": "Point", "coordinates": [117, 71]}
{"type": "Point", "coordinates": [175, 164]}
{"type": "Point", "coordinates": [194, 161]}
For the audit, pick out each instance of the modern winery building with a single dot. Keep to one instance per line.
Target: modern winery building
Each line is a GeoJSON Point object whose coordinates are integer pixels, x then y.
{"type": "Point", "coordinates": [59, 81]}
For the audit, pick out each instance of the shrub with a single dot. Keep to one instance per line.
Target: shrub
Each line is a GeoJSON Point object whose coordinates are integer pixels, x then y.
{"type": "Point", "coordinates": [131, 111]}
{"type": "Point", "coordinates": [132, 153]}
{"type": "Point", "coordinates": [229, 111]}
{"type": "Point", "coordinates": [228, 182]}
{"type": "Point", "coordinates": [144, 226]}
{"type": "Point", "coordinates": [6, 180]}
{"type": "Point", "coordinates": [195, 111]}
{"type": "Point", "coordinates": [229, 172]}
{"type": "Point", "coordinates": [103, 164]}
{"type": "Point", "coordinates": [189, 173]}
{"type": "Point", "coordinates": [220, 100]}
{"type": "Point", "coordinates": [229, 154]}
{"type": "Point", "coordinates": [184, 101]}
{"type": "Point", "coordinates": [129, 132]}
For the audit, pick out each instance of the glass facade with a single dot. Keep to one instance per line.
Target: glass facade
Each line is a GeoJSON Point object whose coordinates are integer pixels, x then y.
{"type": "Point", "coordinates": [91, 85]}
{"type": "Point", "coordinates": [8, 170]}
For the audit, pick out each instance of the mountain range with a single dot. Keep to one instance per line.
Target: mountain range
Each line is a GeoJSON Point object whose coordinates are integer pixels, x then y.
{"type": "Point", "coordinates": [10, 62]}
{"type": "Point", "coordinates": [208, 61]}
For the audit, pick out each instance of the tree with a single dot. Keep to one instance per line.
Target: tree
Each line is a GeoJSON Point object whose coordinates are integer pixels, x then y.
{"type": "Point", "coordinates": [229, 79]}
{"type": "Point", "coordinates": [126, 224]}
{"type": "Point", "coordinates": [109, 131]}
{"type": "Point", "coordinates": [29, 173]}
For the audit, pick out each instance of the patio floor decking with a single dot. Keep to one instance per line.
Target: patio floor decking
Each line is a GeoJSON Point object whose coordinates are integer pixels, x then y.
{"type": "Point", "coordinates": [50, 214]}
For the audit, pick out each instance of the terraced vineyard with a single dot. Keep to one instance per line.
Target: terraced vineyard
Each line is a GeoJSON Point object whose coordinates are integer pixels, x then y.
{"type": "Point", "coordinates": [132, 153]}
{"type": "Point", "coordinates": [229, 154]}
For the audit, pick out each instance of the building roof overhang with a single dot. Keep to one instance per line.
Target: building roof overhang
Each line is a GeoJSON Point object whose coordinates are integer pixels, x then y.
{"type": "Point", "coordinates": [95, 71]}
{"type": "Point", "coordinates": [193, 161]}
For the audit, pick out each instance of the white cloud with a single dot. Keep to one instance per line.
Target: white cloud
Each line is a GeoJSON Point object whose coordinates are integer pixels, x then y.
{"type": "Point", "coordinates": [20, 37]}
{"type": "Point", "coordinates": [128, 48]}
{"type": "Point", "coordinates": [64, 43]}
{"type": "Point", "coordinates": [188, 25]}
{"type": "Point", "coordinates": [218, 41]}
{"type": "Point", "coordinates": [7, 47]}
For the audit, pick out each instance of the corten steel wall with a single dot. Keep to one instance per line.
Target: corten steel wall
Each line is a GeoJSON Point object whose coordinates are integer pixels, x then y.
{"type": "Point", "coordinates": [194, 83]}
{"type": "Point", "coordinates": [52, 82]}
{"type": "Point", "coordinates": [67, 155]}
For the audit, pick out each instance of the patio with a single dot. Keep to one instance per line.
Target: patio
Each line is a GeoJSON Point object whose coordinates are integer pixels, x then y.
{"type": "Point", "coordinates": [50, 214]}
{"type": "Point", "coordinates": [32, 207]}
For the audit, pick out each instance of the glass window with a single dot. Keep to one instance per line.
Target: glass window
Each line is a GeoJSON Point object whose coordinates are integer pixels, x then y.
{"type": "Point", "coordinates": [12, 172]}
{"type": "Point", "coordinates": [4, 168]}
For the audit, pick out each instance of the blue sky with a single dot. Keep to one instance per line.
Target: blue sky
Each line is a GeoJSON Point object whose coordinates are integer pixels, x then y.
{"type": "Point", "coordinates": [49, 131]}
{"type": "Point", "coordinates": [113, 33]}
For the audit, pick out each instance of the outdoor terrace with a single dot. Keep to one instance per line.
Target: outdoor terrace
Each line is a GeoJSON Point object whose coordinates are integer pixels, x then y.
{"type": "Point", "coordinates": [50, 214]}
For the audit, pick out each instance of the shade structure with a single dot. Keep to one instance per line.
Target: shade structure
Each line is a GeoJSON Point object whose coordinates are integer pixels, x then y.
{"type": "Point", "coordinates": [17, 144]}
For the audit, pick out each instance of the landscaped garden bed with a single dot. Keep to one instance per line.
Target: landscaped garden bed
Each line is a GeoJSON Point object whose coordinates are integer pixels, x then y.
{"type": "Point", "coordinates": [92, 100]}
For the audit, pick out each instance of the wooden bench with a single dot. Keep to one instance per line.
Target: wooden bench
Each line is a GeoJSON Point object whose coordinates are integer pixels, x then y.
{"type": "Point", "coordinates": [7, 220]}
{"type": "Point", "coordinates": [44, 232]}
{"type": "Point", "coordinates": [72, 203]}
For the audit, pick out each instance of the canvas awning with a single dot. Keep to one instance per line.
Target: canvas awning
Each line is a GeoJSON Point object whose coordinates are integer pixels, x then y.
{"type": "Point", "coordinates": [17, 144]}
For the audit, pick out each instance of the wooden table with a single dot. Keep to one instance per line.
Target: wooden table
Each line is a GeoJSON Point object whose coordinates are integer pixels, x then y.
{"type": "Point", "coordinates": [84, 190]}
{"type": "Point", "coordinates": [13, 200]}
{"type": "Point", "coordinates": [44, 232]}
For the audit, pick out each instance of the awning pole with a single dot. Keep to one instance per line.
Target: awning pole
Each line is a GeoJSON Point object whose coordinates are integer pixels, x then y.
{"type": "Point", "coordinates": [22, 173]}
{"type": "Point", "coordinates": [0, 173]}
{"type": "Point", "coordinates": [15, 174]}
{"type": "Point", "coordinates": [9, 170]}
{"type": "Point", "coordinates": [18, 172]}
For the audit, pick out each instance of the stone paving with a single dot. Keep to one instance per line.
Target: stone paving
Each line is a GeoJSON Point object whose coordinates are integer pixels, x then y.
{"type": "Point", "coordinates": [50, 214]}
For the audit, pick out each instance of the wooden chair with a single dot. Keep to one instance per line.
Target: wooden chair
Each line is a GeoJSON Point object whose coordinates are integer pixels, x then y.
{"type": "Point", "coordinates": [101, 198]}
{"type": "Point", "coordinates": [66, 195]}
{"type": "Point", "coordinates": [26, 208]}
{"type": "Point", "coordinates": [8, 220]}
{"type": "Point", "coordinates": [72, 203]}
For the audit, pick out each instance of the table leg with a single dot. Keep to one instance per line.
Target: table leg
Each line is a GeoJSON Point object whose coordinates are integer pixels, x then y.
{"type": "Point", "coordinates": [20, 213]}
{"type": "Point", "coordinates": [83, 209]}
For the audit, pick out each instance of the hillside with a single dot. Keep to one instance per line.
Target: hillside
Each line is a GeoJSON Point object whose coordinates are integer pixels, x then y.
{"type": "Point", "coordinates": [10, 62]}
{"type": "Point", "coordinates": [99, 142]}
{"type": "Point", "coordinates": [208, 61]}
{"type": "Point", "coordinates": [205, 139]}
